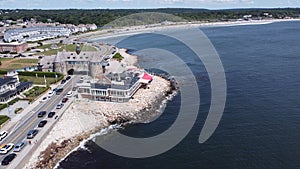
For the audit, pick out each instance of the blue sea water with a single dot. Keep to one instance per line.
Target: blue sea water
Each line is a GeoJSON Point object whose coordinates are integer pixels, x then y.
{"type": "Point", "coordinates": [260, 127]}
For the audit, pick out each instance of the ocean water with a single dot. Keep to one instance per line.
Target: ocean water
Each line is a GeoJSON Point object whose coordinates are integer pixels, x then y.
{"type": "Point", "coordinates": [260, 127]}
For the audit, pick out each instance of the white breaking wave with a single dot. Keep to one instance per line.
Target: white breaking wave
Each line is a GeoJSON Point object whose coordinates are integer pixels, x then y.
{"type": "Point", "coordinates": [91, 138]}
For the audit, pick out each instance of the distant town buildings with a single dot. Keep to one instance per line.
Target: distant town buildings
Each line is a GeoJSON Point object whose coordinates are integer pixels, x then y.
{"type": "Point", "coordinates": [10, 86]}
{"type": "Point", "coordinates": [35, 33]}
{"type": "Point", "coordinates": [32, 30]}
{"type": "Point", "coordinates": [14, 47]}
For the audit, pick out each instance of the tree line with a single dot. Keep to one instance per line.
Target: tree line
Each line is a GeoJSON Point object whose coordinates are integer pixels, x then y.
{"type": "Point", "coordinates": [103, 16]}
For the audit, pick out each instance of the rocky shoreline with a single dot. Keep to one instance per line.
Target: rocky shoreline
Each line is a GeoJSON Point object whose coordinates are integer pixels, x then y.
{"type": "Point", "coordinates": [145, 106]}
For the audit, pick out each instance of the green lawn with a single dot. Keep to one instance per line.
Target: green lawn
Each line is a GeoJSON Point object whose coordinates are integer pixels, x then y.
{"type": "Point", "coordinates": [5, 59]}
{"type": "Point", "coordinates": [16, 63]}
{"type": "Point", "coordinates": [32, 61]}
{"type": "Point", "coordinates": [37, 80]}
{"type": "Point", "coordinates": [61, 47]}
{"type": "Point", "coordinates": [3, 119]}
{"type": "Point", "coordinates": [88, 49]}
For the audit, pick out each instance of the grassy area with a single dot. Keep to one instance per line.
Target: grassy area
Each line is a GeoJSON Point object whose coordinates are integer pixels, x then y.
{"type": "Point", "coordinates": [61, 47]}
{"type": "Point", "coordinates": [3, 119]}
{"type": "Point", "coordinates": [31, 77]}
{"type": "Point", "coordinates": [16, 63]}
{"type": "Point", "coordinates": [5, 59]}
{"type": "Point", "coordinates": [118, 57]}
{"type": "Point", "coordinates": [88, 49]}
{"type": "Point", "coordinates": [37, 80]}
{"type": "Point", "coordinates": [32, 61]}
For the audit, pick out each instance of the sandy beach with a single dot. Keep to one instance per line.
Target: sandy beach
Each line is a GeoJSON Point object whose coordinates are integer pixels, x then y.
{"type": "Point", "coordinates": [85, 117]}
{"type": "Point", "coordinates": [132, 30]}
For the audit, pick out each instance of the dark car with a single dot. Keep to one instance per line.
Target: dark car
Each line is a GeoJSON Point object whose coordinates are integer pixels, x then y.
{"type": "Point", "coordinates": [68, 77]}
{"type": "Point", "coordinates": [51, 114]}
{"type": "Point", "coordinates": [32, 133]}
{"type": "Point", "coordinates": [58, 91]}
{"type": "Point", "coordinates": [42, 123]}
{"type": "Point", "coordinates": [63, 81]}
{"type": "Point", "coordinates": [64, 100]}
{"type": "Point", "coordinates": [8, 159]}
{"type": "Point", "coordinates": [42, 113]}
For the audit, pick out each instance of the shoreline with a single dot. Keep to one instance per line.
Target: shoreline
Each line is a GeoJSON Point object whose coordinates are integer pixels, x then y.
{"type": "Point", "coordinates": [133, 30]}
{"type": "Point", "coordinates": [92, 118]}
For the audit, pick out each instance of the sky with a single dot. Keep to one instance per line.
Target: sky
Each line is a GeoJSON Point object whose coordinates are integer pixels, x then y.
{"type": "Point", "coordinates": [141, 4]}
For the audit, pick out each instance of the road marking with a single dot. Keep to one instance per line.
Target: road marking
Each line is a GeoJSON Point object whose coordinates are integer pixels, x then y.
{"type": "Point", "coordinates": [48, 107]}
{"type": "Point", "coordinates": [13, 140]}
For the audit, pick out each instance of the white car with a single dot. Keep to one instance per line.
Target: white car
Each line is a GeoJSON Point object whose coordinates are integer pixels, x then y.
{"type": "Point", "coordinates": [50, 94]}
{"type": "Point", "coordinates": [44, 99]}
{"type": "Point", "coordinates": [3, 134]}
{"type": "Point", "coordinates": [69, 94]}
{"type": "Point", "coordinates": [6, 148]}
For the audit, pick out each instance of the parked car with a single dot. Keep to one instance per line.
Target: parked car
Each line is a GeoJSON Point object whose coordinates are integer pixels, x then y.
{"type": "Point", "coordinates": [63, 81]}
{"type": "Point", "coordinates": [55, 89]}
{"type": "Point", "coordinates": [69, 94]}
{"type": "Point", "coordinates": [42, 113]}
{"type": "Point", "coordinates": [3, 134]}
{"type": "Point", "coordinates": [32, 133]}
{"type": "Point", "coordinates": [50, 94]}
{"type": "Point", "coordinates": [64, 100]}
{"type": "Point", "coordinates": [58, 91]}
{"type": "Point", "coordinates": [19, 146]}
{"type": "Point", "coordinates": [68, 77]}
{"type": "Point", "coordinates": [44, 99]}
{"type": "Point", "coordinates": [6, 148]}
{"type": "Point", "coordinates": [42, 123]}
{"type": "Point", "coordinates": [59, 106]}
{"type": "Point", "coordinates": [51, 114]}
{"type": "Point", "coordinates": [8, 159]}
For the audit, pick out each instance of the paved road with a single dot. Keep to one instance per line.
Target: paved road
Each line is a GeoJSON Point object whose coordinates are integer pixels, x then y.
{"type": "Point", "coordinates": [29, 122]}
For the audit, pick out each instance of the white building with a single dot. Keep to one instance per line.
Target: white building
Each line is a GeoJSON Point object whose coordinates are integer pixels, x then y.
{"type": "Point", "coordinates": [35, 33]}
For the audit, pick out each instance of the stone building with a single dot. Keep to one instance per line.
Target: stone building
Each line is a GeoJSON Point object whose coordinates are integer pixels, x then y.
{"type": "Point", "coordinates": [83, 63]}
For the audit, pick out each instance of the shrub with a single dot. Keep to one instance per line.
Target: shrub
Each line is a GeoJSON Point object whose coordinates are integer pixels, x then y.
{"type": "Point", "coordinates": [118, 57]}
{"type": "Point", "coordinates": [18, 110]}
{"type": "Point", "coordinates": [3, 119]}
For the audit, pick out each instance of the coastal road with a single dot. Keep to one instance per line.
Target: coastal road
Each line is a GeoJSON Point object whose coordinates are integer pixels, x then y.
{"type": "Point", "coordinates": [29, 122]}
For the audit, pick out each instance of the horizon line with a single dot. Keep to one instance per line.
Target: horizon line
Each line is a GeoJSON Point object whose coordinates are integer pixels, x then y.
{"type": "Point", "coordinates": [237, 8]}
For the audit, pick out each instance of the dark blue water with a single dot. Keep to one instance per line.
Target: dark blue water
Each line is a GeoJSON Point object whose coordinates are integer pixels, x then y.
{"type": "Point", "coordinates": [260, 128]}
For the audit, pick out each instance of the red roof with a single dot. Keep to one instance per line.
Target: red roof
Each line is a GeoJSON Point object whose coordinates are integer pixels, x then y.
{"type": "Point", "coordinates": [147, 77]}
